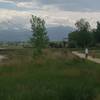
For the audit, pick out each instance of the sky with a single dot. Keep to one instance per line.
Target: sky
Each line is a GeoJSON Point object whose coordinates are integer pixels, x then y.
{"type": "Point", "coordinates": [16, 14]}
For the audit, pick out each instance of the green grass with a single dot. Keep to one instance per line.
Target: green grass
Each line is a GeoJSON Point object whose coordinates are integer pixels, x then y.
{"type": "Point", "coordinates": [57, 75]}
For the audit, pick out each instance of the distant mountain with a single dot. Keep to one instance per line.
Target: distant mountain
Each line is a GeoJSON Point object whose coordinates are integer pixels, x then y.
{"type": "Point", "coordinates": [54, 33]}
{"type": "Point", "coordinates": [14, 35]}
{"type": "Point", "coordinates": [59, 32]}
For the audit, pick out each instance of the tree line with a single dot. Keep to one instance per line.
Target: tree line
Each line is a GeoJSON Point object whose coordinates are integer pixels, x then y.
{"type": "Point", "coordinates": [84, 36]}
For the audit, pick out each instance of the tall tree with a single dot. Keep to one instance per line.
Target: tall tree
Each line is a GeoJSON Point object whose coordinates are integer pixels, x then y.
{"type": "Point", "coordinates": [82, 25]}
{"type": "Point", "coordinates": [97, 33]}
{"type": "Point", "coordinates": [82, 36]}
{"type": "Point", "coordinates": [39, 38]}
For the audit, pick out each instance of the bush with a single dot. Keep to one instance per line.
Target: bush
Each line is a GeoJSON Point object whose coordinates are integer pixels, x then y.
{"type": "Point", "coordinates": [72, 44]}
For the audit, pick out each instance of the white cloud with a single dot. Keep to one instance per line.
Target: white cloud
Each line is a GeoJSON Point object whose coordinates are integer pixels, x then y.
{"type": "Point", "coordinates": [25, 4]}
{"type": "Point", "coordinates": [20, 19]}
{"type": "Point", "coordinates": [13, 19]}
{"type": "Point", "coordinates": [6, 1]}
{"type": "Point", "coordinates": [67, 18]}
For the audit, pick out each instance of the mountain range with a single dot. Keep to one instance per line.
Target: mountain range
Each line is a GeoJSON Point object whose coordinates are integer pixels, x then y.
{"type": "Point", "coordinates": [57, 33]}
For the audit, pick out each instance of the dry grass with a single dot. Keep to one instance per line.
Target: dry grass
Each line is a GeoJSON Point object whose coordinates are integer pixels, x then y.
{"type": "Point", "coordinates": [58, 54]}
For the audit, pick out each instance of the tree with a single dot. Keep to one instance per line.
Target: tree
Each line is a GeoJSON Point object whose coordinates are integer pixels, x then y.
{"type": "Point", "coordinates": [72, 39]}
{"type": "Point", "coordinates": [97, 33]}
{"type": "Point", "coordinates": [39, 38]}
{"type": "Point", "coordinates": [82, 25]}
{"type": "Point", "coordinates": [82, 36]}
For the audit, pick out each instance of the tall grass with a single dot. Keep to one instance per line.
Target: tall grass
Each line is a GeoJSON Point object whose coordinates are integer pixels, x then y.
{"type": "Point", "coordinates": [56, 75]}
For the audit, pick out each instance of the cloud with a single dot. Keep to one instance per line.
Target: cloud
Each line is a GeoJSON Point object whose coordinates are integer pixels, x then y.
{"type": "Point", "coordinates": [25, 5]}
{"type": "Point", "coordinates": [29, 5]}
{"type": "Point", "coordinates": [20, 20]}
{"type": "Point", "coordinates": [12, 19]}
{"type": "Point", "coordinates": [67, 5]}
{"type": "Point", "coordinates": [72, 5]}
{"type": "Point", "coordinates": [6, 1]}
{"type": "Point", "coordinates": [67, 18]}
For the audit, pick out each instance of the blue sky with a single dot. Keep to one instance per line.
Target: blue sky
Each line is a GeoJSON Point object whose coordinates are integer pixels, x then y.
{"type": "Point", "coordinates": [16, 14]}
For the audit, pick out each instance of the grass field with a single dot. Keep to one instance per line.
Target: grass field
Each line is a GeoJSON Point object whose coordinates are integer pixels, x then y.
{"type": "Point", "coordinates": [57, 75]}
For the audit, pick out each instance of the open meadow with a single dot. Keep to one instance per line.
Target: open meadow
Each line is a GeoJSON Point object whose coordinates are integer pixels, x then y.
{"type": "Point", "coordinates": [57, 75]}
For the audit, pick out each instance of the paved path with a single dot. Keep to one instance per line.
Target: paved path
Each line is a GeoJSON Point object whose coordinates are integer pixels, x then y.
{"type": "Point", "coordinates": [81, 55]}
{"type": "Point", "coordinates": [2, 57]}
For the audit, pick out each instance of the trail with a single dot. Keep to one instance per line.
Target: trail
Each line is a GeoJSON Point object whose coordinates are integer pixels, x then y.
{"type": "Point", "coordinates": [81, 55]}
{"type": "Point", "coordinates": [2, 57]}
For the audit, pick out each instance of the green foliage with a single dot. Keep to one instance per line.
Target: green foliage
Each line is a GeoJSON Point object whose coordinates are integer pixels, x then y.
{"type": "Point", "coordinates": [72, 38]}
{"type": "Point", "coordinates": [72, 44]}
{"type": "Point", "coordinates": [39, 38]}
{"type": "Point", "coordinates": [82, 37]}
{"type": "Point", "coordinates": [97, 33]}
